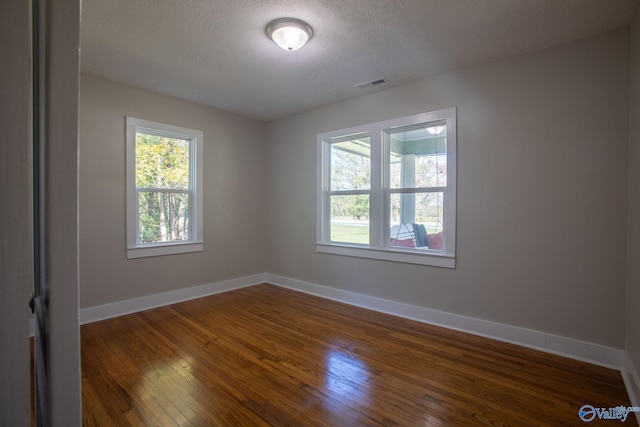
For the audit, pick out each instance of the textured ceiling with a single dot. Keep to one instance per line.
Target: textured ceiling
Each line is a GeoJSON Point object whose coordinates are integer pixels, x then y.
{"type": "Point", "coordinates": [216, 52]}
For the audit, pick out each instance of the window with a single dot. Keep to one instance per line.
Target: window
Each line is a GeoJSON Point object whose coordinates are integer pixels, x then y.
{"type": "Point", "coordinates": [164, 189]}
{"type": "Point", "coordinates": [387, 190]}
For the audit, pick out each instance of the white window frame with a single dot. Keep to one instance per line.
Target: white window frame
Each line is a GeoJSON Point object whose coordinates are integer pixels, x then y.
{"type": "Point", "coordinates": [380, 193]}
{"type": "Point", "coordinates": [136, 249]}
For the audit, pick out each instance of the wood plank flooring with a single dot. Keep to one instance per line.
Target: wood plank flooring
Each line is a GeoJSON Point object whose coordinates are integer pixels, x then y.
{"type": "Point", "coordinates": [264, 355]}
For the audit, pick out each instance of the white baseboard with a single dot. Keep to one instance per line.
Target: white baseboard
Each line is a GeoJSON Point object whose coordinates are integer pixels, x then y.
{"type": "Point", "coordinates": [575, 349]}
{"type": "Point", "coordinates": [120, 308]}
{"type": "Point", "coordinates": [568, 347]}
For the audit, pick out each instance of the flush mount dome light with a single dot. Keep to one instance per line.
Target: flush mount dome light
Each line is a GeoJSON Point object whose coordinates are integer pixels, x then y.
{"type": "Point", "coordinates": [289, 33]}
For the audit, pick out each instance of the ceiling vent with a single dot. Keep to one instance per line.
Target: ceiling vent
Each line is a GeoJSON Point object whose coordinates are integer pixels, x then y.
{"type": "Point", "coordinates": [375, 82]}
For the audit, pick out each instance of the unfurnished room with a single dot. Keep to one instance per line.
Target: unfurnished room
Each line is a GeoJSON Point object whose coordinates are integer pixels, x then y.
{"type": "Point", "coordinates": [320, 213]}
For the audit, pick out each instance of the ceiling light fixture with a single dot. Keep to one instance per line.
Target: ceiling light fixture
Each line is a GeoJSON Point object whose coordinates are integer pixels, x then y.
{"type": "Point", "coordinates": [289, 33]}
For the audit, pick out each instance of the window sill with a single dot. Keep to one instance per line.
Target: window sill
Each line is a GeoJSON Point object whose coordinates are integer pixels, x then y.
{"type": "Point", "coordinates": [164, 249]}
{"type": "Point", "coordinates": [430, 258]}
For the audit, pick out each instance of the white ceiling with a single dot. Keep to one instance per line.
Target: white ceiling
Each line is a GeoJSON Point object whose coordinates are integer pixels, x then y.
{"type": "Point", "coordinates": [216, 52]}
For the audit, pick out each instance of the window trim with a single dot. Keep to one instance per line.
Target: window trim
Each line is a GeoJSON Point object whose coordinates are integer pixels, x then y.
{"type": "Point", "coordinates": [380, 194]}
{"type": "Point", "coordinates": [135, 249]}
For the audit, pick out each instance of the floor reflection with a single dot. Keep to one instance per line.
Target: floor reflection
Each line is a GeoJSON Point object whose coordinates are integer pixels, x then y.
{"type": "Point", "coordinates": [167, 387]}
{"type": "Point", "coordinates": [347, 375]}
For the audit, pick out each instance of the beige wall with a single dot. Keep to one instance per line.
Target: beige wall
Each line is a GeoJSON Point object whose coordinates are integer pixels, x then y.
{"type": "Point", "coordinates": [542, 192]}
{"type": "Point", "coordinates": [633, 255]}
{"type": "Point", "coordinates": [542, 189]}
{"type": "Point", "coordinates": [234, 196]}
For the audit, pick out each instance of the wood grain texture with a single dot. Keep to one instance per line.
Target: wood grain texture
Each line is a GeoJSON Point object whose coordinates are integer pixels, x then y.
{"type": "Point", "coordinates": [264, 355]}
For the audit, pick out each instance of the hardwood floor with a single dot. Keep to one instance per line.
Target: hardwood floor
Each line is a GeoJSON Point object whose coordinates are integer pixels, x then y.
{"type": "Point", "coordinates": [269, 356]}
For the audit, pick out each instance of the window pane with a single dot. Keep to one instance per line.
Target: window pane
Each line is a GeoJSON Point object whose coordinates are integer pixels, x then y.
{"type": "Point", "coordinates": [417, 220]}
{"type": "Point", "coordinates": [350, 219]}
{"type": "Point", "coordinates": [161, 162]}
{"type": "Point", "coordinates": [419, 157]}
{"type": "Point", "coordinates": [351, 164]}
{"type": "Point", "coordinates": [163, 216]}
